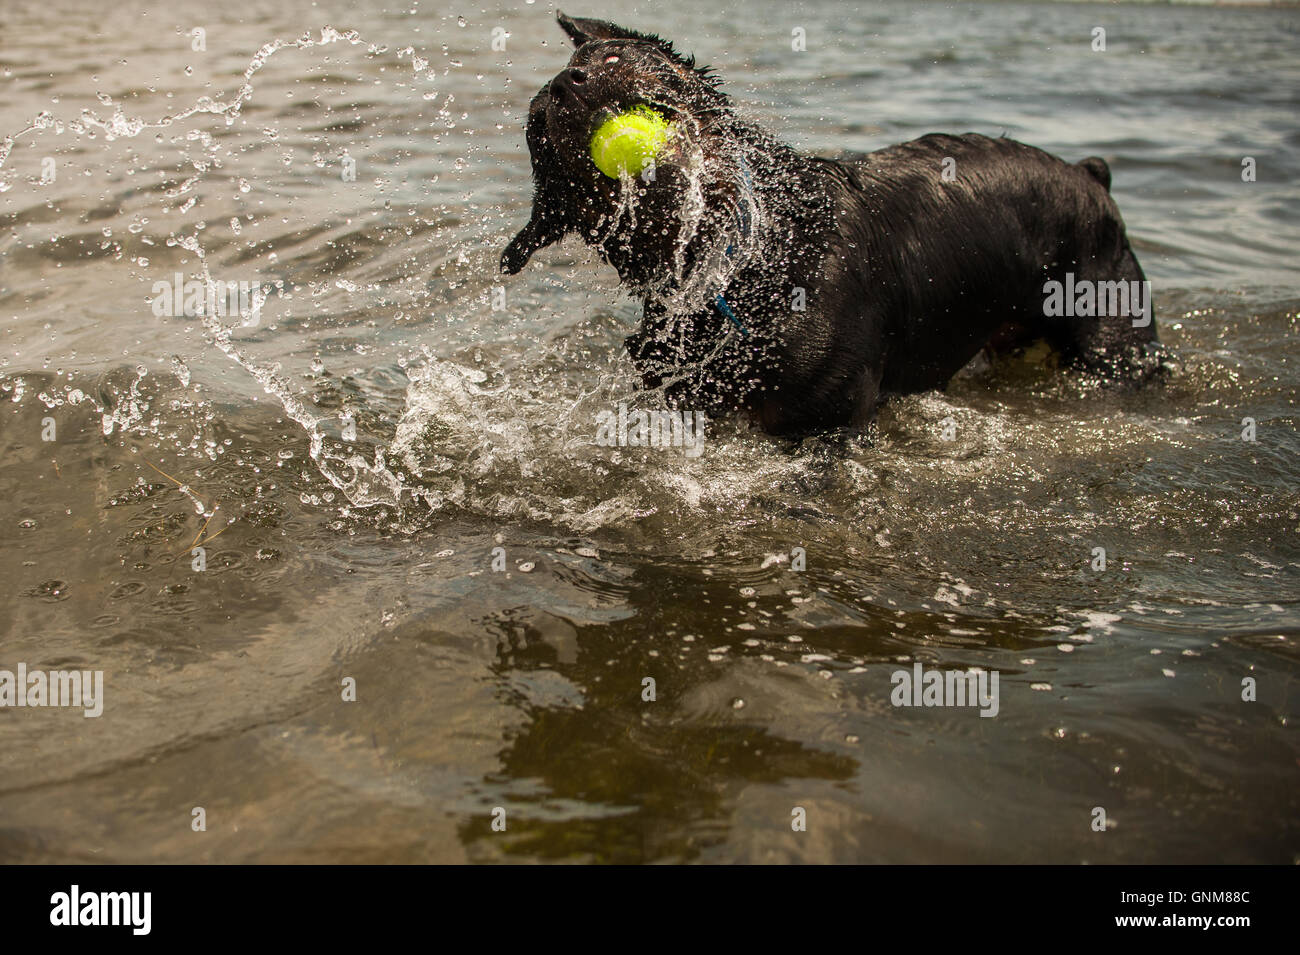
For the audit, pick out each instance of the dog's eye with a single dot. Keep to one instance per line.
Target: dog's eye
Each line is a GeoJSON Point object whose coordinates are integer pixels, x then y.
{"type": "Point", "coordinates": [612, 58]}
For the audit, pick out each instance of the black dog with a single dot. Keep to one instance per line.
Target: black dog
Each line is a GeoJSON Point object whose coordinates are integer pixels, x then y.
{"type": "Point", "coordinates": [805, 290]}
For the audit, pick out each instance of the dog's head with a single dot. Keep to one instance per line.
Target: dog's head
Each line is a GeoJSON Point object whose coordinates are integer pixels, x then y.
{"type": "Point", "coordinates": [612, 70]}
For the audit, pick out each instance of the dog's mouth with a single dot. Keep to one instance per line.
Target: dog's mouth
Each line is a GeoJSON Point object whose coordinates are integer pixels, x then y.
{"type": "Point", "coordinates": [583, 116]}
{"type": "Point", "coordinates": [580, 102]}
{"type": "Point", "coordinates": [603, 114]}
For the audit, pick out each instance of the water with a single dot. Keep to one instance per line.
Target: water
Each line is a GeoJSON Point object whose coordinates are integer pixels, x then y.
{"type": "Point", "coordinates": [351, 456]}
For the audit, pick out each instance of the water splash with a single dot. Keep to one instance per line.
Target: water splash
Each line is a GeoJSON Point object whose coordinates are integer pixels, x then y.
{"type": "Point", "coordinates": [365, 483]}
{"type": "Point", "coordinates": [119, 125]}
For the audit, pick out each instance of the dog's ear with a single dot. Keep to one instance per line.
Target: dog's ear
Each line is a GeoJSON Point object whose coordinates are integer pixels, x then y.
{"type": "Point", "coordinates": [550, 220]}
{"type": "Point", "coordinates": [584, 29]}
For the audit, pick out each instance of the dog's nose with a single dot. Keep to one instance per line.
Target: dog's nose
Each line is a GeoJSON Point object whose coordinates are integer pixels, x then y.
{"type": "Point", "coordinates": [565, 82]}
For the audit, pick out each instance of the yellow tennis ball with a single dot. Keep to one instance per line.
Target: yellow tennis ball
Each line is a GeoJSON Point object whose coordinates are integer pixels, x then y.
{"type": "Point", "coordinates": [629, 141]}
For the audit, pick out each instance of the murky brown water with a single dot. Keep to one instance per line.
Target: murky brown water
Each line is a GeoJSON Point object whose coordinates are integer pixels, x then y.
{"type": "Point", "coordinates": [372, 558]}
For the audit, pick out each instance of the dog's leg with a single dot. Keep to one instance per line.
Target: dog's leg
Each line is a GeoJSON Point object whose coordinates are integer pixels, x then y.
{"type": "Point", "coordinates": [777, 415]}
{"type": "Point", "coordinates": [867, 403]}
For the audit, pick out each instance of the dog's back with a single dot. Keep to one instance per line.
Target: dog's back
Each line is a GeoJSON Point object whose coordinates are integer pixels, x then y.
{"type": "Point", "coordinates": [960, 234]}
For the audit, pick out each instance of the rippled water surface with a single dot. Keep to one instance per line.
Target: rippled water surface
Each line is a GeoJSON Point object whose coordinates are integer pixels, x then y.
{"type": "Point", "coordinates": [355, 454]}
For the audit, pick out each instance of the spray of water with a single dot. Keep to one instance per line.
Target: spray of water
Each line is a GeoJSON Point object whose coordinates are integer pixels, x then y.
{"type": "Point", "coordinates": [364, 483]}
{"type": "Point", "coordinates": [459, 438]}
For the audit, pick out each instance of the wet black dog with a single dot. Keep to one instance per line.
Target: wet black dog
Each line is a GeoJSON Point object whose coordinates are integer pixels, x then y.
{"type": "Point", "coordinates": [805, 290]}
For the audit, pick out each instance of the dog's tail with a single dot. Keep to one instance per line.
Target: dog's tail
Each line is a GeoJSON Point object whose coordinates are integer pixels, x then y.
{"type": "Point", "coordinates": [1096, 167]}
